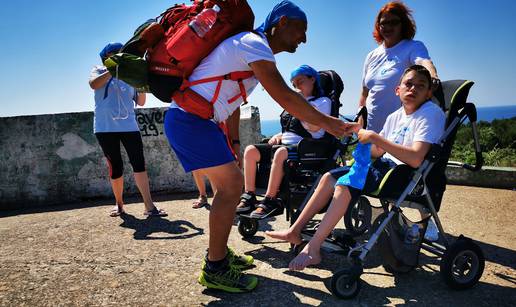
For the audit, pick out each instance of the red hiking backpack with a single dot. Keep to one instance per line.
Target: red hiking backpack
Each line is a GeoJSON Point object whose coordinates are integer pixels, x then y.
{"type": "Point", "coordinates": [172, 50]}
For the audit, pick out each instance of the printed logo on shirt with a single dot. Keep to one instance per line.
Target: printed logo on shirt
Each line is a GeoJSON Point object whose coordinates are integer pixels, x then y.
{"type": "Point", "coordinates": [399, 135]}
{"type": "Point", "coordinates": [389, 65]}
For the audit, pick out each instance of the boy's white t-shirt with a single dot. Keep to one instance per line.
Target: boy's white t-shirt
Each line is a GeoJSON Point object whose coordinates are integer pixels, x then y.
{"type": "Point", "coordinates": [233, 54]}
{"type": "Point", "coordinates": [323, 105]}
{"type": "Point", "coordinates": [382, 71]}
{"type": "Point", "coordinates": [426, 124]}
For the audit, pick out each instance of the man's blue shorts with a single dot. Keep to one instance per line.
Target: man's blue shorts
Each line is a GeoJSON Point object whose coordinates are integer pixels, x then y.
{"type": "Point", "coordinates": [198, 143]}
{"type": "Point", "coordinates": [375, 174]}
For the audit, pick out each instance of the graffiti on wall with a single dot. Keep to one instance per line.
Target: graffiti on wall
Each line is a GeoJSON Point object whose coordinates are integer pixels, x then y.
{"type": "Point", "coordinates": [151, 123]}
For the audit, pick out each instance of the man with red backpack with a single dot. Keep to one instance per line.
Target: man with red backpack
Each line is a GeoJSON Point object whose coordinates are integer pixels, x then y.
{"type": "Point", "coordinates": [200, 144]}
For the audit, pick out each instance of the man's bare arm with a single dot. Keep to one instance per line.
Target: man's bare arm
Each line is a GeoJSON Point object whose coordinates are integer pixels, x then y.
{"type": "Point", "coordinates": [270, 78]}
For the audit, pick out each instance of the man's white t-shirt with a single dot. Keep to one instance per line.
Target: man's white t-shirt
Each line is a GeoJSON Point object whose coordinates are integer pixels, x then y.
{"type": "Point", "coordinates": [323, 105]}
{"type": "Point", "coordinates": [426, 124]}
{"type": "Point", "coordinates": [233, 54]}
{"type": "Point", "coordinates": [382, 71]}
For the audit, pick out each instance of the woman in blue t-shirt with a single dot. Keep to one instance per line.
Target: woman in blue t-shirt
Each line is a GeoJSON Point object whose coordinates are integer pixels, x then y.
{"type": "Point", "coordinates": [394, 31]}
{"type": "Point", "coordinates": [114, 122]}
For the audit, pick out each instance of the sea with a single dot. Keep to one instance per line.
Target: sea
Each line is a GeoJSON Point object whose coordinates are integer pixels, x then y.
{"type": "Point", "coordinates": [272, 126]}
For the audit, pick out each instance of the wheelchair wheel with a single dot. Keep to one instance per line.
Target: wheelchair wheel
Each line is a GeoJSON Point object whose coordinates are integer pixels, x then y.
{"type": "Point", "coordinates": [358, 217]}
{"type": "Point", "coordinates": [462, 264]}
{"type": "Point", "coordinates": [346, 283]}
{"type": "Point", "coordinates": [247, 227]}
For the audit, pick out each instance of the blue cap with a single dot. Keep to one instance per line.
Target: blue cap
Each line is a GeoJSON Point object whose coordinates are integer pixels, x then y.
{"type": "Point", "coordinates": [111, 47]}
{"type": "Point", "coordinates": [307, 71]}
{"type": "Point", "coordinates": [284, 8]}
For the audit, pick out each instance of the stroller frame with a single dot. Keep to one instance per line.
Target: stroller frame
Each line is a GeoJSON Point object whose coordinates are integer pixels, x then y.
{"type": "Point", "coordinates": [463, 255]}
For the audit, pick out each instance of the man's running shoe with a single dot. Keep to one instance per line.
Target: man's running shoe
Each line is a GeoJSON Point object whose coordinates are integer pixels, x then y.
{"type": "Point", "coordinates": [241, 262]}
{"type": "Point", "coordinates": [229, 279]}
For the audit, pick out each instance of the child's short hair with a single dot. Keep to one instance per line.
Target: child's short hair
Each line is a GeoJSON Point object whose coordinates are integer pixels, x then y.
{"type": "Point", "coordinates": [419, 69]}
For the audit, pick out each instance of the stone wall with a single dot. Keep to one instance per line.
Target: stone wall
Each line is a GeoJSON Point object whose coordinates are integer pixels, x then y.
{"type": "Point", "coordinates": [49, 159]}
{"type": "Point", "coordinates": [488, 176]}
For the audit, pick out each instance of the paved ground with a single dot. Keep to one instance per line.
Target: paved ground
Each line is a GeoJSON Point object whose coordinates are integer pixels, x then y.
{"type": "Point", "coordinates": [78, 255]}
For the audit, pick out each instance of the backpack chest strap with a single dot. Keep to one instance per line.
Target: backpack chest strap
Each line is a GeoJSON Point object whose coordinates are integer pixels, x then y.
{"type": "Point", "coordinates": [237, 76]}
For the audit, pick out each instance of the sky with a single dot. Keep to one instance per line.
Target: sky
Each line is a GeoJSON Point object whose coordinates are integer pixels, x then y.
{"type": "Point", "coordinates": [49, 47]}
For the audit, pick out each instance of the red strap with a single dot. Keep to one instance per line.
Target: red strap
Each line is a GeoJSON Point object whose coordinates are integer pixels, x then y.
{"type": "Point", "coordinates": [224, 127]}
{"type": "Point", "coordinates": [217, 91]}
{"type": "Point", "coordinates": [186, 84]}
{"type": "Point", "coordinates": [233, 76]}
{"type": "Point", "coordinates": [242, 94]}
{"type": "Point", "coordinates": [240, 75]}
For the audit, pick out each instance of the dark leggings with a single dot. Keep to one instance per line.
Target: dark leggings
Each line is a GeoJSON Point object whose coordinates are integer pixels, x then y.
{"type": "Point", "coordinates": [110, 144]}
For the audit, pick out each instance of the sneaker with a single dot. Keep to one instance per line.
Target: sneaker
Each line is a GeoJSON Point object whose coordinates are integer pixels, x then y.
{"type": "Point", "coordinates": [432, 233]}
{"type": "Point", "coordinates": [247, 202]}
{"type": "Point", "coordinates": [229, 279]}
{"type": "Point", "coordinates": [241, 262]}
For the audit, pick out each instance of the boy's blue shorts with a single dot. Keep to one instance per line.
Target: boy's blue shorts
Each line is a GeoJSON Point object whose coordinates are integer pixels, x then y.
{"type": "Point", "coordinates": [198, 143]}
{"type": "Point", "coordinates": [375, 174]}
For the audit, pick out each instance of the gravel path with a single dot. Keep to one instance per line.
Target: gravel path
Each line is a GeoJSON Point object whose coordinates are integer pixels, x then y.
{"type": "Point", "coordinates": [78, 255]}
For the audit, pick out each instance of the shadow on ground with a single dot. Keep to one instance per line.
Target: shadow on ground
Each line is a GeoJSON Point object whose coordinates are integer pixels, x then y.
{"type": "Point", "coordinates": [144, 228]}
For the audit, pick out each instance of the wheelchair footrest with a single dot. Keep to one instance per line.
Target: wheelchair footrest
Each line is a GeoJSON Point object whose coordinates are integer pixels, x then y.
{"type": "Point", "coordinates": [274, 212]}
{"type": "Point", "coordinates": [337, 242]}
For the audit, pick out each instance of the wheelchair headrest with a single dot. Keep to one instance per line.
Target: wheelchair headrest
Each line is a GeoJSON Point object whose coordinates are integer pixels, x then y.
{"type": "Point", "coordinates": [452, 96]}
{"type": "Point", "coordinates": [332, 87]}
{"type": "Point", "coordinates": [452, 93]}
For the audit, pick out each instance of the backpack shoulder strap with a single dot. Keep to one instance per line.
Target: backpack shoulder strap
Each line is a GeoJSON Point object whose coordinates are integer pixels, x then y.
{"type": "Point", "coordinates": [107, 86]}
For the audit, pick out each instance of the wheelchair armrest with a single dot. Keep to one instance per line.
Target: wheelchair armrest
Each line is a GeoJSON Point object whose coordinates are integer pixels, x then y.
{"type": "Point", "coordinates": [309, 148]}
{"type": "Point", "coordinates": [395, 180]}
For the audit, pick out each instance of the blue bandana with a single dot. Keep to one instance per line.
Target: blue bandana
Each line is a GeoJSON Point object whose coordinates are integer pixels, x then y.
{"type": "Point", "coordinates": [307, 71]}
{"type": "Point", "coordinates": [111, 47]}
{"type": "Point", "coordinates": [284, 8]}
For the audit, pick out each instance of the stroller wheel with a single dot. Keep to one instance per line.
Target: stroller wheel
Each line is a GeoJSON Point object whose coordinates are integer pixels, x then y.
{"type": "Point", "coordinates": [358, 217]}
{"type": "Point", "coordinates": [346, 283]}
{"type": "Point", "coordinates": [462, 264]}
{"type": "Point", "coordinates": [247, 227]}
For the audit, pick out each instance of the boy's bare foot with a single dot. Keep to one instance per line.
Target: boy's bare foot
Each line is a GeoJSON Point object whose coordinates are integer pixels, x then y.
{"type": "Point", "coordinates": [308, 256]}
{"type": "Point", "coordinates": [285, 235]}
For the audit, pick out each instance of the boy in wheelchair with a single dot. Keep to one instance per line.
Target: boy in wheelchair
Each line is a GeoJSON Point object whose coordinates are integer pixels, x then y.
{"type": "Point", "coordinates": [406, 138]}
{"type": "Point", "coordinates": [306, 80]}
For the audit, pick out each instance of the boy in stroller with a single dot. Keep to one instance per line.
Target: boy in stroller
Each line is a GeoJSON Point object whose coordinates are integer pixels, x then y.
{"type": "Point", "coordinates": [306, 81]}
{"type": "Point", "coordinates": [406, 138]}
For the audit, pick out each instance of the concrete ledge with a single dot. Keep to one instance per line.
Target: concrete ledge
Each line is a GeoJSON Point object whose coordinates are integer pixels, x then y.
{"type": "Point", "coordinates": [55, 158]}
{"type": "Point", "coordinates": [488, 177]}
